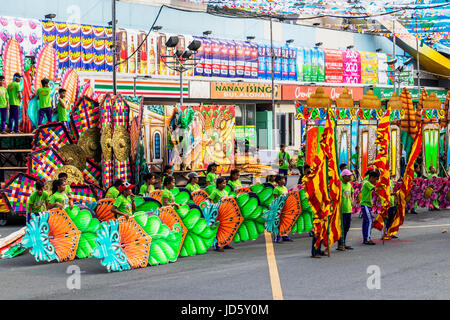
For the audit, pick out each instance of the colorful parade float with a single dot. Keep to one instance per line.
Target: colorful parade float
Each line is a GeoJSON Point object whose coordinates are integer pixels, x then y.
{"type": "Point", "coordinates": [106, 138]}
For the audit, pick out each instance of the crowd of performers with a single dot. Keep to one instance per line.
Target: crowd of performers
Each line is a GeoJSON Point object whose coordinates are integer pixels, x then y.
{"type": "Point", "coordinates": [11, 99]}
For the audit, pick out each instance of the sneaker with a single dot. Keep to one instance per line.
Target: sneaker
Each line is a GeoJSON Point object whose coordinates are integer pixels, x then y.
{"type": "Point", "coordinates": [316, 256]}
{"type": "Point", "coordinates": [228, 247]}
{"type": "Point", "coordinates": [277, 239]}
{"type": "Point", "coordinates": [413, 212]}
{"type": "Point", "coordinates": [348, 248]}
{"type": "Point", "coordinates": [370, 242]}
{"type": "Point", "coordinates": [394, 237]}
{"type": "Point", "coordinates": [322, 253]}
{"type": "Point", "coordinates": [340, 248]}
{"type": "Point", "coordinates": [286, 238]}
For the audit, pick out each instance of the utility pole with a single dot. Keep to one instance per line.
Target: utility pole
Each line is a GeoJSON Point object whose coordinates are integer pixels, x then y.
{"type": "Point", "coordinates": [114, 48]}
{"type": "Point", "coordinates": [274, 126]}
{"type": "Point", "coordinates": [417, 59]}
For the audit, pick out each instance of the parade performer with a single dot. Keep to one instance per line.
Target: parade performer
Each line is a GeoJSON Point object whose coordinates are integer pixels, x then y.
{"type": "Point", "coordinates": [167, 197]}
{"type": "Point", "coordinates": [283, 161]}
{"type": "Point", "coordinates": [38, 200]}
{"type": "Point", "coordinates": [62, 108]}
{"type": "Point", "coordinates": [15, 99]}
{"type": "Point", "coordinates": [4, 104]}
{"type": "Point", "coordinates": [211, 175]}
{"type": "Point", "coordinates": [271, 179]}
{"type": "Point", "coordinates": [68, 190]}
{"type": "Point", "coordinates": [366, 206]}
{"type": "Point", "coordinates": [300, 163]}
{"type": "Point", "coordinates": [167, 172]}
{"type": "Point", "coordinates": [45, 102]}
{"type": "Point", "coordinates": [219, 191]}
{"type": "Point", "coordinates": [59, 198]}
{"type": "Point", "coordinates": [148, 186]}
{"type": "Point", "coordinates": [280, 189]}
{"type": "Point", "coordinates": [113, 192]}
{"type": "Point", "coordinates": [346, 207]}
{"type": "Point", "coordinates": [234, 181]}
{"type": "Point", "coordinates": [193, 182]}
{"type": "Point", "coordinates": [124, 204]}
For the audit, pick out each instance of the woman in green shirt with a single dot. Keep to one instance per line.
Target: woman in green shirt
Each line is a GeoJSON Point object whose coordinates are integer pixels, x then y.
{"type": "Point", "coordinates": [218, 193]}
{"type": "Point", "coordinates": [59, 198]}
{"type": "Point", "coordinates": [234, 182]}
{"type": "Point", "coordinates": [281, 190]}
{"type": "Point", "coordinates": [38, 200]}
{"type": "Point", "coordinates": [149, 186]}
{"type": "Point", "coordinates": [124, 204]}
{"type": "Point", "coordinates": [167, 197]}
{"type": "Point", "coordinates": [211, 174]}
{"type": "Point", "coordinates": [193, 182]}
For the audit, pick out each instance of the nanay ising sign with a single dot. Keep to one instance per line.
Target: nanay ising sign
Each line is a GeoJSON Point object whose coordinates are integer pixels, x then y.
{"type": "Point", "coordinates": [251, 91]}
{"type": "Point", "coordinates": [294, 92]}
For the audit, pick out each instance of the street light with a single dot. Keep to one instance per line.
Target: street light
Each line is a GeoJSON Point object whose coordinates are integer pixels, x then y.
{"type": "Point", "coordinates": [288, 42]}
{"type": "Point", "coordinates": [157, 28]}
{"type": "Point", "coordinates": [182, 60]}
{"type": "Point", "coordinates": [350, 47]}
{"type": "Point", "coordinates": [50, 16]}
{"type": "Point", "coordinates": [207, 33]}
{"type": "Point", "coordinates": [318, 44]}
{"type": "Point", "coordinates": [249, 38]}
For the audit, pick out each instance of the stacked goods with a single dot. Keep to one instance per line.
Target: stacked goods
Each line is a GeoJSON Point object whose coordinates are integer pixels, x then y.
{"type": "Point", "coordinates": [410, 121]}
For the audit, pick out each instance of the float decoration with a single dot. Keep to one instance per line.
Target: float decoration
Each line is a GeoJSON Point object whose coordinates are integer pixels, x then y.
{"type": "Point", "coordinates": [51, 135]}
{"type": "Point", "coordinates": [13, 59]}
{"type": "Point", "coordinates": [46, 66]}
{"type": "Point", "coordinates": [44, 162]}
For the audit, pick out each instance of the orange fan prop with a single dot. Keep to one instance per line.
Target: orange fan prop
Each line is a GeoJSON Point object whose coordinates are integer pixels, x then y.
{"type": "Point", "coordinates": [63, 234]}
{"type": "Point", "coordinates": [199, 196]}
{"type": "Point", "coordinates": [290, 213]}
{"type": "Point", "coordinates": [243, 190]}
{"type": "Point", "coordinates": [170, 217]}
{"type": "Point", "coordinates": [157, 195]}
{"type": "Point", "coordinates": [103, 211]}
{"type": "Point", "coordinates": [230, 219]}
{"type": "Point", "coordinates": [135, 242]}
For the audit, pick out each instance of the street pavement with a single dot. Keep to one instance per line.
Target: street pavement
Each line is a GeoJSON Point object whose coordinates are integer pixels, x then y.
{"type": "Point", "coordinates": [415, 266]}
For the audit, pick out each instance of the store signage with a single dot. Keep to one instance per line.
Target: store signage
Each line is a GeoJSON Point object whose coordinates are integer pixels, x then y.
{"type": "Point", "coordinates": [302, 93]}
{"type": "Point", "coordinates": [386, 93]}
{"type": "Point", "coordinates": [251, 91]}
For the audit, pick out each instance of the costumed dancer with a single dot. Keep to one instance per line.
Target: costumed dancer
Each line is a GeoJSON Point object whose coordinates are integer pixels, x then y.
{"type": "Point", "coordinates": [149, 185]}
{"type": "Point", "coordinates": [300, 163]}
{"type": "Point", "coordinates": [193, 182]}
{"type": "Point", "coordinates": [167, 172]}
{"type": "Point", "coordinates": [271, 179]}
{"type": "Point", "coordinates": [45, 101]}
{"type": "Point", "coordinates": [59, 198]}
{"type": "Point", "coordinates": [234, 181]}
{"type": "Point", "coordinates": [68, 190]}
{"type": "Point", "coordinates": [62, 108]}
{"type": "Point", "coordinates": [346, 207]}
{"type": "Point", "coordinates": [38, 200]}
{"type": "Point", "coordinates": [124, 204]}
{"type": "Point", "coordinates": [283, 161]}
{"type": "Point", "coordinates": [4, 104]}
{"type": "Point", "coordinates": [15, 99]}
{"type": "Point", "coordinates": [211, 175]}
{"type": "Point", "coordinates": [392, 210]}
{"type": "Point", "coordinates": [167, 197]}
{"type": "Point", "coordinates": [366, 206]}
{"type": "Point", "coordinates": [433, 174]}
{"type": "Point", "coordinates": [113, 192]}
{"type": "Point", "coordinates": [218, 193]}
{"type": "Point", "coordinates": [281, 190]}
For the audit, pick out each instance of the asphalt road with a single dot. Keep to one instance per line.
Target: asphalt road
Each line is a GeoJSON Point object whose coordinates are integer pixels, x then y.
{"type": "Point", "coordinates": [416, 266]}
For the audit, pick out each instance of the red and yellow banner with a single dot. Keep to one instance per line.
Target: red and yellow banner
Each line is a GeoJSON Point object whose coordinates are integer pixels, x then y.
{"type": "Point", "coordinates": [381, 162]}
{"type": "Point", "coordinates": [323, 188]}
{"type": "Point", "coordinates": [406, 185]}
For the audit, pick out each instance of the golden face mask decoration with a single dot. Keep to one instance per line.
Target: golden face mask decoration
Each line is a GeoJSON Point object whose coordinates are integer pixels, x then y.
{"type": "Point", "coordinates": [90, 142]}
{"type": "Point", "coordinates": [106, 144]}
{"type": "Point", "coordinates": [74, 156]}
{"type": "Point", "coordinates": [74, 176]}
{"type": "Point", "coordinates": [121, 143]}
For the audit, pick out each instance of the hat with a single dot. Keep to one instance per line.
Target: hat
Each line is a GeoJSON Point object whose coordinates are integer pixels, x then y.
{"type": "Point", "coordinates": [17, 75]}
{"type": "Point", "coordinates": [125, 186]}
{"type": "Point", "coordinates": [192, 175]}
{"type": "Point", "coordinates": [346, 172]}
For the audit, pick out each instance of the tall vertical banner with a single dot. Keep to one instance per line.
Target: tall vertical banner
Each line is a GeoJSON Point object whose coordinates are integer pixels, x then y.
{"type": "Point", "coordinates": [369, 67]}
{"type": "Point", "coordinates": [99, 44]}
{"type": "Point", "coordinates": [75, 46]}
{"type": "Point", "coordinates": [199, 68]}
{"type": "Point", "coordinates": [231, 45]}
{"type": "Point", "coordinates": [108, 51]}
{"type": "Point", "coordinates": [351, 66]}
{"type": "Point", "coordinates": [132, 45]}
{"type": "Point", "coordinates": [142, 53]}
{"type": "Point", "coordinates": [383, 68]}
{"type": "Point", "coordinates": [152, 65]}
{"type": "Point", "coordinates": [62, 45]}
{"type": "Point", "coordinates": [320, 65]}
{"type": "Point", "coordinates": [87, 44]}
{"type": "Point", "coordinates": [122, 52]}
{"type": "Point", "coordinates": [333, 66]}
{"type": "Point", "coordinates": [307, 64]}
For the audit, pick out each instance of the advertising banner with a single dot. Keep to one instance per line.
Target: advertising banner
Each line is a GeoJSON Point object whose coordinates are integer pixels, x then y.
{"type": "Point", "coordinates": [351, 66]}
{"type": "Point", "coordinates": [108, 51]}
{"type": "Point", "coordinates": [302, 93]}
{"type": "Point", "coordinates": [99, 48]}
{"type": "Point", "coordinates": [75, 46]}
{"type": "Point", "coordinates": [383, 68]}
{"type": "Point", "coordinates": [320, 65]}
{"type": "Point", "coordinates": [27, 32]}
{"type": "Point", "coordinates": [87, 45]}
{"type": "Point", "coordinates": [132, 45]}
{"type": "Point", "coordinates": [369, 67]}
{"type": "Point", "coordinates": [248, 91]}
{"type": "Point", "coordinates": [62, 45]}
{"type": "Point", "coordinates": [333, 66]}
{"type": "Point", "coordinates": [307, 64]}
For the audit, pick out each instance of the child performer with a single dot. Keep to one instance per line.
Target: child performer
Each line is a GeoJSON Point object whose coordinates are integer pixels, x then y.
{"type": "Point", "coordinates": [346, 207]}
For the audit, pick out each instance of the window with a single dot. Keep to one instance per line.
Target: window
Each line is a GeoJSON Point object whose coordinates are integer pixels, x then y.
{"type": "Point", "coordinates": [157, 145]}
{"type": "Point", "coordinates": [286, 129]}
